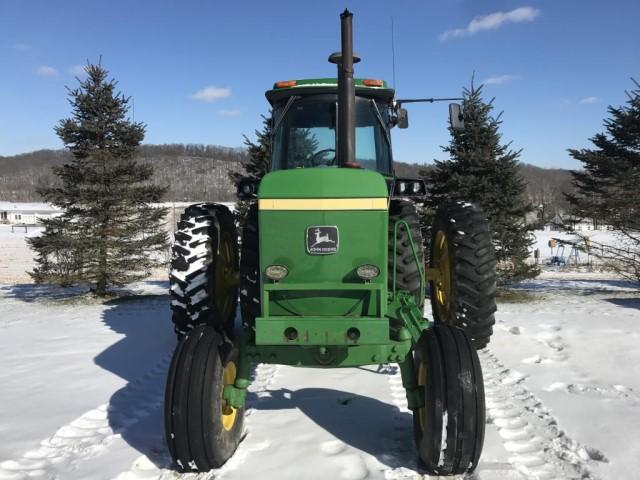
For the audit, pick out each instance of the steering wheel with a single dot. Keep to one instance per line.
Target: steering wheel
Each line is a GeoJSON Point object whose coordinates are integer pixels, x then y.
{"type": "Point", "coordinates": [313, 159]}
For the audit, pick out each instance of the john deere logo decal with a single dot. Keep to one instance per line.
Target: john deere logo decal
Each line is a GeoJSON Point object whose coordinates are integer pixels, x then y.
{"type": "Point", "coordinates": [322, 240]}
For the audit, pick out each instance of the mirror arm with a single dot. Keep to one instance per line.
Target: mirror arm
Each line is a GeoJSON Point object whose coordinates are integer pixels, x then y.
{"type": "Point", "coordinates": [400, 101]}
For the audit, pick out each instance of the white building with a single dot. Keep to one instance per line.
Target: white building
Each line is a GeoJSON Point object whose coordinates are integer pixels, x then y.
{"type": "Point", "coordinates": [26, 213]}
{"type": "Point", "coordinates": [573, 223]}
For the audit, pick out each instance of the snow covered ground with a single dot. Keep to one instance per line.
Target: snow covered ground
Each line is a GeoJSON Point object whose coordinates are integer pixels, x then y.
{"type": "Point", "coordinates": [82, 387]}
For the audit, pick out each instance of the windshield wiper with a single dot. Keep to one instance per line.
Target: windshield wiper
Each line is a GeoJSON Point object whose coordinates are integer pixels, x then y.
{"type": "Point", "coordinates": [286, 108]}
{"type": "Point", "coordinates": [372, 102]}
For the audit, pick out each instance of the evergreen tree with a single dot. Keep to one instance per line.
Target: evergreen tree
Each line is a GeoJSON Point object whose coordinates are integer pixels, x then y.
{"type": "Point", "coordinates": [258, 164]}
{"type": "Point", "coordinates": [607, 189]}
{"type": "Point", "coordinates": [483, 171]}
{"type": "Point", "coordinates": [108, 234]}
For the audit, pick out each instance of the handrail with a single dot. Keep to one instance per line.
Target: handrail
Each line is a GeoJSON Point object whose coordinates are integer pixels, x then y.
{"type": "Point", "coordinates": [415, 257]}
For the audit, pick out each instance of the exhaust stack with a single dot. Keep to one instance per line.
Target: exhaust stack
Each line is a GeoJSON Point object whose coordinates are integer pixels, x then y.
{"type": "Point", "coordinates": [346, 93]}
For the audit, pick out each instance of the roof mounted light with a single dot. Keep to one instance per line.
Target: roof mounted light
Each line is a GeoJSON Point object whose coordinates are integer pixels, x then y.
{"type": "Point", "coordinates": [370, 82]}
{"type": "Point", "coordinates": [286, 84]}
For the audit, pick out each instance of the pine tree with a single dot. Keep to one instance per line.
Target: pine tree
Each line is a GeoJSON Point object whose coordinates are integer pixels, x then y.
{"type": "Point", "coordinates": [483, 171]}
{"type": "Point", "coordinates": [108, 234]}
{"type": "Point", "coordinates": [607, 189]}
{"type": "Point", "coordinates": [258, 164]}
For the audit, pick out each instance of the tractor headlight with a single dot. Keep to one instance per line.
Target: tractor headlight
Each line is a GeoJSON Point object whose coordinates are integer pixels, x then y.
{"type": "Point", "coordinates": [409, 187]}
{"type": "Point", "coordinates": [367, 272]}
{"type": "Point", "coordinates": [276, 272]}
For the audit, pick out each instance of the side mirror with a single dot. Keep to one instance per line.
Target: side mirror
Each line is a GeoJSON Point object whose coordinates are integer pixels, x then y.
{"type": "Point", "coordinates": [247, 188]}
{"type": "Point", "coordinates": [402, 118]}
{"type": "Point", "coordinates": [455, 116]}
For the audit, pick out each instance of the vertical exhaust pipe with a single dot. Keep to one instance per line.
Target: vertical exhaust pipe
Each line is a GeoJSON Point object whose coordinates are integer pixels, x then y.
{"type": "Point", "coordinates": [346, 93]}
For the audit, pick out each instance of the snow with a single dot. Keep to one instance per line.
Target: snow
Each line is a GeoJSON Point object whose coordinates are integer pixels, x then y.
{"type": "Point", "coordinates": [443, 438]}
{"type": "Point", "coordinates": [83, 382]}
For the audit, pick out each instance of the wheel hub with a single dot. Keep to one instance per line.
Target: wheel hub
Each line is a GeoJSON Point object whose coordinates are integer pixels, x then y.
{"type": "Point", "coordinates": [228, 413]}
{"type": "Point", "coordinates": [442, 281]}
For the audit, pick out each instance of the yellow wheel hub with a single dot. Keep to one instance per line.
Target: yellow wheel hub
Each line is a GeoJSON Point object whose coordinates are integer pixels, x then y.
{"type": "Point", "coordinates": [441, 276]}
{"type": "Point", "coordinates": [228, 413]}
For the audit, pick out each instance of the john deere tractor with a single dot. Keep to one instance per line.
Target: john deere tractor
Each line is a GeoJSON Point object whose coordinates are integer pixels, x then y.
{"type": "Point", "coordinates": [330, 272]}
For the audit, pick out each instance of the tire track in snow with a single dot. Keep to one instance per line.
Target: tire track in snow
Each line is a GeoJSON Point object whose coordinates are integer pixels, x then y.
{"type": "Point", "coordinates": [403, 461]}
{"type": "Point", "coordinates": [405, 465]}
{"type": "Point", "coordinates": [615, 392]}
{"type": "Point", "coordinates": [539, 448]}
{"type": "Point", "coordinates": [143, 468]}
{"type": "Point", "coordinates": [92, 432]}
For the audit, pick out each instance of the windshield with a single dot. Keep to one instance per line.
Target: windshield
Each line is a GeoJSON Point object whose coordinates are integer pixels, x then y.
{"type": "Point", "coordinates": [306, 136]}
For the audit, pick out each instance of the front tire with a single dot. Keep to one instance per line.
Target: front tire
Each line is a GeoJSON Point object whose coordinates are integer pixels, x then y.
{"type": "Point", "coordinates": [462, 271]}
{"type": "Point", "coordinates": [202, 431]}
{"type": "Point", "coordinates": [449, 429]}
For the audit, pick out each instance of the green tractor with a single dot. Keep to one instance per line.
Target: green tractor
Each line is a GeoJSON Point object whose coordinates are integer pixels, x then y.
{"type": "Point", "coordinates": [330, 272]}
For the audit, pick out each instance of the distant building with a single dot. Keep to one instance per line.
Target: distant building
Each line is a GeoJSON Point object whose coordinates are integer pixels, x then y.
{"type": "Point", "coordinates": [26, 213]}
{"type": "Point", "coordinates": [573, 224]}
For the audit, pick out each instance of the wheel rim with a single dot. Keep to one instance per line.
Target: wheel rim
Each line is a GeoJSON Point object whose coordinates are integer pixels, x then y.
{"type": "Point", "coordinates": [228, 413]}
{"type": "Point", "coordinates": [442, 284]}
{"type": "Point", "coordinates": [225, 271]}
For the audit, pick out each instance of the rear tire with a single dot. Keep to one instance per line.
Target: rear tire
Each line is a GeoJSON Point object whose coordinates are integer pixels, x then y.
{"type": "Point", "coordinates": [407, 273]}
{"type": "Point", "coordinates": [250, 268]}
{"type": "Point", "coordinates": [204, 269]}
{"type": "Point", "coordinates": [461, 252]}
{"type": "Point", "coordinates": [449, 429]}
{"type": "Point", "coordinates": [202, 432]}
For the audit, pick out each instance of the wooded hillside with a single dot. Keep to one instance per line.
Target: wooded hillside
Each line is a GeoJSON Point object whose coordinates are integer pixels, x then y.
{"type": "Point", "coordinates": [200, 172]}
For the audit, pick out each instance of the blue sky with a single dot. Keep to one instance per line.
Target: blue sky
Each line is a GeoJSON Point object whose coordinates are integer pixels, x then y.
{"type": "Point", "coordinates": [197, 70]}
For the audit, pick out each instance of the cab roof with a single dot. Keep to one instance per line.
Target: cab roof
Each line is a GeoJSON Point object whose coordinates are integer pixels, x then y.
{"type": "Point", "coordinates": [364, 87]}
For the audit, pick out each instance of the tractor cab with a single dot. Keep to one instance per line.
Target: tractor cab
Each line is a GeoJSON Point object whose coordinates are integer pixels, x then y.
{"type": "Point", "coordinates": [305, 125]}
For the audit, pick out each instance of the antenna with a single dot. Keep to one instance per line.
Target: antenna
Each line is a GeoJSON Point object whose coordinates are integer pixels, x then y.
{"type": "Point", "coordinates": [393, 55]}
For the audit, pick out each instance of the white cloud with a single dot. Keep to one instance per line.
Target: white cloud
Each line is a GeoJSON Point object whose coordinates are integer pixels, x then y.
{"type": "Point", "coordinates": [229, 113]}
{"type": "Point", "coordinates": [46, 71]}
{"type": "Point", "coordinates": [587, 100]}
{"type": "Point", "coordinates": [77, 70]}
{"type": "Point", "coordinates": [211, 94]}
{"type": "Point", "coordinates": [491, 22]}
{"type": "Point", "coordinates": [500, 79]}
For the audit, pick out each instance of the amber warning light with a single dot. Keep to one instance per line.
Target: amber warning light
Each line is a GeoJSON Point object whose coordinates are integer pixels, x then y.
{"type": "Point", "coordinates": [286, 83]}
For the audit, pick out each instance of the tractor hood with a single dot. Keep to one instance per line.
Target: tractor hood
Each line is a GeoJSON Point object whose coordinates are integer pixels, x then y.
{"type": "Point", "coordinates": [322, 224]}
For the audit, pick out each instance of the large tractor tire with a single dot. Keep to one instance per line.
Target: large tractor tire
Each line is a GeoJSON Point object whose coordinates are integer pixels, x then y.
{"type": "Point", "coordinates": [250, 269]}
{"type": "Point", "coordinates": [202, 431]}
{"type": "Point", "coordinates": [449, 429]}
{"type": "Point", "coordinates": [462, 271]}
{"type": "Point", "coordinates": [204, 269]}
{"type": "Point", "coordinates": [407, 272]}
